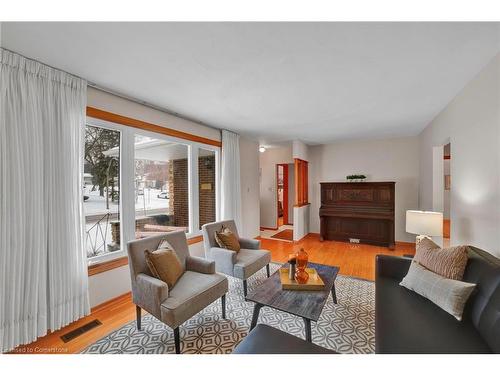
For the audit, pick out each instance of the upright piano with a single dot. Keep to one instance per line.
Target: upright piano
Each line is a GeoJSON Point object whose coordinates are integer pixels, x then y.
{"type": "Point", "coordinates": [358, 212]}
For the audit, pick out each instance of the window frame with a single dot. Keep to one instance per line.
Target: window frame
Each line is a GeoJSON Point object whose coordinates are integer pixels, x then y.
{"type": "Point", "coordinates": [114, 127]}
{"type": "Point", "coordinates": [127, 182]}
{"type": "Point", "coordinates": [217, 156]}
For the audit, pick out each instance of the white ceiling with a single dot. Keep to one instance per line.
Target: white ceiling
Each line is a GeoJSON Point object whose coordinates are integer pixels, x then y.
{"type": "Point", "coordinates": [318, 82]}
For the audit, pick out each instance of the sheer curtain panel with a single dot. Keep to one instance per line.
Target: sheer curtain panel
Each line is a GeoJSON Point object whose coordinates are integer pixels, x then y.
{"type": "Point", "coordinates": [43, 269]}
{"type": "Point", "coordinates": [230, 178]}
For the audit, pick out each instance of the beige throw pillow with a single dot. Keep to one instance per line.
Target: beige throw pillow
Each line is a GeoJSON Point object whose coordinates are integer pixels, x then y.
{"type": "Point", "coordinates": [449, 262]}
{"type": "Point", "coordinates": [450, 295]}
{"type": "Point", "coordinates": [165, 265]}
{"type": "Point", "coordinates": [227, 239]}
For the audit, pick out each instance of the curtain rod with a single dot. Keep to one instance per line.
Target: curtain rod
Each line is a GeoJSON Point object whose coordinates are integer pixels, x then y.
{"type": "Point", "coordinates": [120, 95]}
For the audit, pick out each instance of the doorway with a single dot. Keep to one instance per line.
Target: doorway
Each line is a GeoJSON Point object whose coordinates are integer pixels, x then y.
{"type": "Point", "coordinates": [285, 195]}
{"type": "Point", "coordinates": [447, 194]}
{"type": "Point", "coordinates": [282, 195]}
{"type": "Point", "coordinates": [279, 205]}
{"type": "Point", "coordinates": [441, 189]}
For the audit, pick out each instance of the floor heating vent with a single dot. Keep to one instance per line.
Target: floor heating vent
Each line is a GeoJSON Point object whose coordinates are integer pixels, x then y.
{"type": "Point", "coordinates": [80, 330]}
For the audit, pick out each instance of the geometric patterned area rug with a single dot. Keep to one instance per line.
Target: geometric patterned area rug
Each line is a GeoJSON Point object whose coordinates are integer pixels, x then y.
{"type": "Point", "coordinates": [347, 327]}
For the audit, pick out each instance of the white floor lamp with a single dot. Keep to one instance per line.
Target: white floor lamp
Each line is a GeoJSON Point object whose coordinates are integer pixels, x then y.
{"type": "Point", "coordinates": [424, 224]}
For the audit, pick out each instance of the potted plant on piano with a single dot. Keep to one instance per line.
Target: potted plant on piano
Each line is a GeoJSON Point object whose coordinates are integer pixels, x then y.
{"type": "Point", "coordinates": [356, 178]}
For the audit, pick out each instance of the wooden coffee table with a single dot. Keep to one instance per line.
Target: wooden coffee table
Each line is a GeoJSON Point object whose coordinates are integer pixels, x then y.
{"type": "Point", "coordinates": [305, 304]}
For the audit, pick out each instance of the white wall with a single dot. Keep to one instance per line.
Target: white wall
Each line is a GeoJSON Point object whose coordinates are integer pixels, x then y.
{"type": "Point", "coordinates": [301, 223]}
{"type": "Point", "coordinates": [471, 123]}
{"type": "Point", "coordinates": [268, 193]}
{"type": "Point", "coordinates": [250, 189]}
{"type": "Point", "coordinates": [300, 150]}
{"type": "Point", "coordinates": [111, 103]}
{"type": "Point", "coordinates": [380, 160]}
{"type": "Point", "coordinates": [110, 284]}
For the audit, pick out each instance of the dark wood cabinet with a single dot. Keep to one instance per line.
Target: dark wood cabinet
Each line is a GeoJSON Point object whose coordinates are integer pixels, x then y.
{"type": "Point", "coordinates": [358, 210]}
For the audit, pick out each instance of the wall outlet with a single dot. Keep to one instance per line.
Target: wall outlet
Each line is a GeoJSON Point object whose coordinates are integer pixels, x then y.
{"type": "Point", "coordinates": [354, 240]}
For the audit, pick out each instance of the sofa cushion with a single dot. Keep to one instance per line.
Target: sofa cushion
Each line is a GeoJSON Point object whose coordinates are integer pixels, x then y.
{"type": "Point", "coordinates": [450, 295]}
{"type": "Point", "coordinates": [449, 262]}
{"type": "Point", "coordinates": [264, 339]}
{"type": "Point", "coordinates": [483, 307]}
{"type": "Point", "coordinates": [409, 323]}
{"type": "Point", "coordinates": [192, 293]}
{"type": "Point", "coordinates": [250, 261]}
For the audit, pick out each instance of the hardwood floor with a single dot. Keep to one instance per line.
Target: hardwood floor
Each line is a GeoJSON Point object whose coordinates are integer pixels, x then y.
{"type": "Point", "coordinates": [112, 314]}
{"type": "Point", "coordinates": [353, 259]}
{"type": "Point", "coordinates": [356, 260]}
{"type": "Point", "coordinates": [446, 228]}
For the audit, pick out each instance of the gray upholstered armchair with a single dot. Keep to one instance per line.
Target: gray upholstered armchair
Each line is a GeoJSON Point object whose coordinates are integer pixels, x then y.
{"type": "Point", "coordinates": [197, 288]}
{"type": "Point", "coordinates": [241, 264]}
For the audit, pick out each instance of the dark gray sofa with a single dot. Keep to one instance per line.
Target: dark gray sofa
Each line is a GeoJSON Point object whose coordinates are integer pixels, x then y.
{"type": "Point", "coordinates": [405, 322]}
{"type": "Point", "coordinates": [264, 339]}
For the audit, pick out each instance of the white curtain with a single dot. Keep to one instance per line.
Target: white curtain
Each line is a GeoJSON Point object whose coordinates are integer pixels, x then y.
{"type": "Point", "coordinates": [43, 270]}
{"type": "Point", "coordinates": [230, 178]}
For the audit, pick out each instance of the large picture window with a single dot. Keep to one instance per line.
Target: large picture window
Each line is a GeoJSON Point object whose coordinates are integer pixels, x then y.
{"type": "Point", "coordinates": [101, 199]}
{"type": "Point", "coordinates": [161, 186]}
{"type": "Point", "coordinates": [207, 183]}
{"type": "Point", "coordinates": [140, 183]}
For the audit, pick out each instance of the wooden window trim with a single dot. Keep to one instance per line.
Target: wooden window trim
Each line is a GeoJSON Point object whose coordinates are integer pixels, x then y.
{"type": "Point", "coordinates": [97, 268]}
{"type": "Point", "coordinates": [194, 240]}
{"type": "Point", "coordinates": [138, 124]}
{"type": "Point", "coordinates": [100, 114]}
{"type": "Point", "coordinates": [109, 265]}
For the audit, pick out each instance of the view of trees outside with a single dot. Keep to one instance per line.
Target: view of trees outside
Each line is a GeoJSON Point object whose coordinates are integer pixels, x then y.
{"type": "Point", "coordinates": [161, 169]}
{"type": "Point", "coordinates": [101, 189]}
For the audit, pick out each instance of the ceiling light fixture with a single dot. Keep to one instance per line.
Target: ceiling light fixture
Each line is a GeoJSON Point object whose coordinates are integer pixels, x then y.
{"type": "Point", "coordinates": [262, 149]}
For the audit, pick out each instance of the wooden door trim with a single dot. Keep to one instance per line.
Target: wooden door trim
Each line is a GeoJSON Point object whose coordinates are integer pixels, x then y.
{"type": "Point", "coordinates": [286, 220]}
{"type": "Point", "coordinates": [285, 194]}
{"type": "Point", "coordinates": [301, 182]}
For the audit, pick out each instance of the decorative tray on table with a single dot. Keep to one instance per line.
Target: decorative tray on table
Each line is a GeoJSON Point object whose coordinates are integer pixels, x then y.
{"type": "Point", "coordinates": [313, 283]}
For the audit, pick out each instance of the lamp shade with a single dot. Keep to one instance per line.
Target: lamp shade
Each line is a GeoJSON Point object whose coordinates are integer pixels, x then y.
{"type": "Point", "coordinates": [424, 222]}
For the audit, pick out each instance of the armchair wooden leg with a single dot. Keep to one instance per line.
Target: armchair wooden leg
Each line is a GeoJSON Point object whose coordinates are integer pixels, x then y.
{"type": "Point", "coordinates": [245, 288]}
{"type": "Point", "coordinates": [177, 340]}
{"type": "Point", "coordinates": [138, 317]}
{"type": "Point", "coordinates": [223, 301]}
{"type": "Point", "coordinates": [268, 270]}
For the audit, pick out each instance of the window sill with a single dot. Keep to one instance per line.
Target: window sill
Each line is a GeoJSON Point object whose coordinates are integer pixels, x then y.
{"type": "Point", "coordinates": [101, 267]}
{"type": "Point", "coordinates": [108, 265]}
